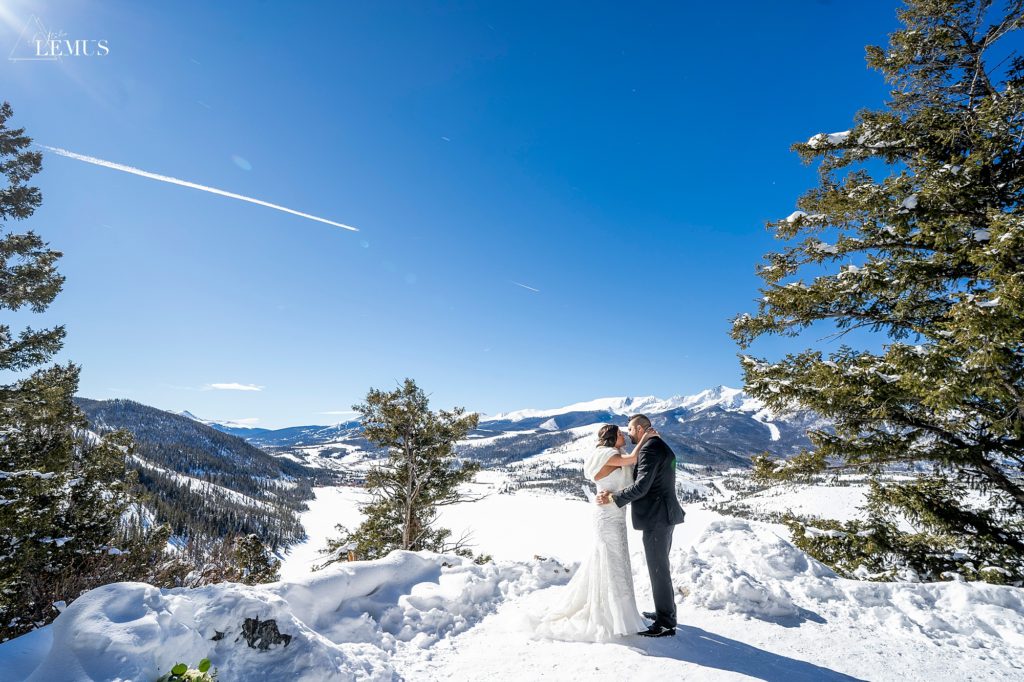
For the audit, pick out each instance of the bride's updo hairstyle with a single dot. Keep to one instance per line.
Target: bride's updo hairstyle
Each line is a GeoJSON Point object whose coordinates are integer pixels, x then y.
{"type": "Point", "coordinates": [608, 435]}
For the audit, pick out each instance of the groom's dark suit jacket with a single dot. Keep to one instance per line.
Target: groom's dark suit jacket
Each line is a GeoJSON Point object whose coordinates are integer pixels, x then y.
{"type": "Point", "coordinates": [653, 493]}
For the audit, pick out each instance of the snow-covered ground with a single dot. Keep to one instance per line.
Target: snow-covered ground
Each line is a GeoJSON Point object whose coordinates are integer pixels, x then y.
{"type": "Point", "coordinates": [842, 503]}
{"type": "Point", "coordinates": [751, 606]}
{"type": "Point", "coordinates": [331, 506]}
{"type": "Point", "coordinates": [514, 527]}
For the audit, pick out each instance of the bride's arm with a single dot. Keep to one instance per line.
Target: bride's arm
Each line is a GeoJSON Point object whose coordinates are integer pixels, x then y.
{"type": "Point", "coordinates": [616, 461]}
{"type": "Point", "coordinates": [605, 470]}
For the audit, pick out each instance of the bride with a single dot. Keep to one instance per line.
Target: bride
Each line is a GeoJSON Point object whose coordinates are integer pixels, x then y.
{"type": "Point", "coordinates": [598, 604]}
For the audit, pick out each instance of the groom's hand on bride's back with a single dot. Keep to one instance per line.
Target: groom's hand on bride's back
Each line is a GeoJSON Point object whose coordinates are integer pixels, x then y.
{"type": "Point", "coordinates": [603, 497]}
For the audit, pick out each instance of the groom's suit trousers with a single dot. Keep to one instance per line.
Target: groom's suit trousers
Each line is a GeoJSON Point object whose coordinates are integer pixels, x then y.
{"type": "Point", "coordinates": [657, 543]}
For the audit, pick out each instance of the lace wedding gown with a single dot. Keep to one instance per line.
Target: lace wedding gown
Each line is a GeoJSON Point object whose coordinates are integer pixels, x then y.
{"type": "Point", "coordinates": [598, 603]}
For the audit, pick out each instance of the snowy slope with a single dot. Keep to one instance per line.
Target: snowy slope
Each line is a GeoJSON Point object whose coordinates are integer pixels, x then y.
{"type": "Point", "coordinates": [207, 488]}
{"type": "Point", "coordinates": [755, 607]}
{"type": "Point", "coordinates": [343, 623]}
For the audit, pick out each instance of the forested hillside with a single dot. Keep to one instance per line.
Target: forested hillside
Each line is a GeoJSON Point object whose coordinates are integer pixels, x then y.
{"type": "Point", "coordinates": [206, 483]}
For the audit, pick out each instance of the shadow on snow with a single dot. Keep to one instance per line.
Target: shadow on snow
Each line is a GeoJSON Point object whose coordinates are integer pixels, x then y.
{"type": "Point", "coordinates": [709, 650]}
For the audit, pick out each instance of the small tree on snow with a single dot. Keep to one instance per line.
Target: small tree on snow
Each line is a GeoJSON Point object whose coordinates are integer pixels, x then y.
{"type": "Point", "coordinates": [421, 474]}
{"type": "Point", "coordinates": [255, 563]}
{"type": "Point", "coordinates": [932, 257]}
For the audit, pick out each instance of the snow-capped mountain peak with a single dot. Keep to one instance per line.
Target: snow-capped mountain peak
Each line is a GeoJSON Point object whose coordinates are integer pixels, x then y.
{"type": "Point", "coordinates": [225, 423]}
{"type": "Point", "coordinates": [721, 396]}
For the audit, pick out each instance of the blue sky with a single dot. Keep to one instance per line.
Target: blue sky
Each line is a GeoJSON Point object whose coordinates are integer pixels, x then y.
{"type": "Point", "coordinates": [622, 159]}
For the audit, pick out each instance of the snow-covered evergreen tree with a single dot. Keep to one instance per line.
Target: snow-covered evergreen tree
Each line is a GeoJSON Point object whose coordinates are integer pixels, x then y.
{"type": "Point", "coordinates": [420, 475]}
{"type": "Point", "coordinates": [916, 232]}
{"type": "Point", "coordinates": [255, 562]}
{"type": "Point", "coordinates": [63, 489]}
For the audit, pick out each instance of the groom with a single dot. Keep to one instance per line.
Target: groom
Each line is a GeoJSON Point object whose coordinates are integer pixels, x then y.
{"type": "Point", "coordinates": [656, 511]}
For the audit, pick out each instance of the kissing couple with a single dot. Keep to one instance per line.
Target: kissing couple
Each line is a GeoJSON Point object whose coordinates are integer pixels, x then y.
{"type": "Point", "coordinates": [599, 604]}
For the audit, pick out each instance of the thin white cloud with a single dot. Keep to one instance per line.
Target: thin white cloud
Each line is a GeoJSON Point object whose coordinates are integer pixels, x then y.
{"type": "Point", "coordinates": [339, 412]}
{"type": "Point", "coordinates": [232, 387]}
{"type": "Point", "coordinates": [185, 183]}
{"type": "Point", "coordinates": [536, 291]}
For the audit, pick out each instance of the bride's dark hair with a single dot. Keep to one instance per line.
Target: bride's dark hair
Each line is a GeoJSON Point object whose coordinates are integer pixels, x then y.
{"type": "Point", "coordinates": [608, 435]}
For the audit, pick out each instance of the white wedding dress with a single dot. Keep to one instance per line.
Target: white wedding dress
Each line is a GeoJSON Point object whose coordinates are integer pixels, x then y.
{"type": "Point", "coordinates": [598, 604]}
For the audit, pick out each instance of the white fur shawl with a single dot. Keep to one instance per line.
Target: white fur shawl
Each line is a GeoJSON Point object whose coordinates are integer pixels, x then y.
{"type": "Point", "coordinates": [596, 460]}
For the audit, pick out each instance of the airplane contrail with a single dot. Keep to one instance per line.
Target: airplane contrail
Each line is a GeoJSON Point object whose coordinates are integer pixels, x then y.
{"type": "Point", "coordinates": [193, 185]}
{"type": "Point", "coordinates": [526, 287]}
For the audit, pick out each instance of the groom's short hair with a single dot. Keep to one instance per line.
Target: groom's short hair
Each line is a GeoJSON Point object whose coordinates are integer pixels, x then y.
{"type": "Point", "coordinates": [641, 419]}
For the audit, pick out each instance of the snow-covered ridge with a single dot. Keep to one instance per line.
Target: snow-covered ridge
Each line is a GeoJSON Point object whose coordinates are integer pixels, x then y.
{"type": "Point", "coordinates": [721, 396]}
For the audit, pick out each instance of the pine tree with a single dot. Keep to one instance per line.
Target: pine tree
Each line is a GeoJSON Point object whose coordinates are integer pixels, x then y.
{"type": "Point", "coordinates": [62, 489]}
{"type": "Point", "coordinates": [421, 474]}
{"type": "Point", "coordinates": [255, 562]}
{"type": "Point", "coordinates": [915, 233]}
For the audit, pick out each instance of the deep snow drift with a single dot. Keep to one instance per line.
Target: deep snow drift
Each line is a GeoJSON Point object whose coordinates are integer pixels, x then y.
{"type": "Point", "coordinates": [754, 607]}
{"type": "Point", "coordinates": [343, 622]}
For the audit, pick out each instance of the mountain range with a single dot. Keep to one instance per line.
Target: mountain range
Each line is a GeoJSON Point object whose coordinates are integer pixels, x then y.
{"type": "Point", "coordinates": [209, 478]}
{"type": "Point", "coordinates": [720, 427]}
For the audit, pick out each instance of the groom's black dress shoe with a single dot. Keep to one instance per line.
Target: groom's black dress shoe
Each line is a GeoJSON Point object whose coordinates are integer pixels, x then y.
{"type": "Point", "coordinates": [650, 615]}
{"type": "Point", "coordinates": [658, 631]}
